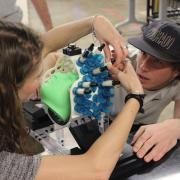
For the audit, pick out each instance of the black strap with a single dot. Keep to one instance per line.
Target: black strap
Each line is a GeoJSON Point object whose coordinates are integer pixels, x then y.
{"type": "Point", "coordinates": [139, 98]}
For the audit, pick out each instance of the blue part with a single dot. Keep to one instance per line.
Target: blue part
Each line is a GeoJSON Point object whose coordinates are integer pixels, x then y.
{"type": "Point", "coordinates": [87, 96]}
{"type": "Point", "coordinates": [80, 84]}
{"type": "Point", "coordinates": [95, 98]}
{"type": "Point", "coordinates": [74, 90]}
{"type": "Point", "coordinates": [85, 68]}
{"type": "Point", "coordinates": [93, 104]}
{"type": "Point", "coordinates": [79, 63]}
{"type": "Point", "coordinates": [93, 89]}
{"type": "Point", "coordinates": [87, 78]}
{"type": "Point", "coordinates": [82, 71]}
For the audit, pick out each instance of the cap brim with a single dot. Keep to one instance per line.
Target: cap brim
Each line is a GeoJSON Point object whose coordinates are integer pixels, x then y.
{"type": "Point", "coordinates": [139, 43]}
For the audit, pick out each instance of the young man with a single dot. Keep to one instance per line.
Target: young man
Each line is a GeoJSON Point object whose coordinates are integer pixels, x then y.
{"type": "Point", "coordinates": [158, 68]}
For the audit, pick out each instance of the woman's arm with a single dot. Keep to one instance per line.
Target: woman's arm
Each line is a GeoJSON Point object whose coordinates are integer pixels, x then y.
{"type": "Point", "coordinates": [65, 34]}
{"type": "Point", "coordinates": [99, 161]}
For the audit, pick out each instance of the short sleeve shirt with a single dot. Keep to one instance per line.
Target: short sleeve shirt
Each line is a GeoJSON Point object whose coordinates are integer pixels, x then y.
{"type": "Point", "coordinates": [154, 102]}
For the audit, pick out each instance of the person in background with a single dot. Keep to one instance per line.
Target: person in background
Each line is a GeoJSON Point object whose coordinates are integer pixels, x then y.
{"type": "Point", "coordinates": [10, 11]}
{"type": "Point", "coordinates": [41, 7]}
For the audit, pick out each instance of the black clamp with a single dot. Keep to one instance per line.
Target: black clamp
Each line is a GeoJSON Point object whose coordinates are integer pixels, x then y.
{"type": "Point", "coordinates": [72, 50]}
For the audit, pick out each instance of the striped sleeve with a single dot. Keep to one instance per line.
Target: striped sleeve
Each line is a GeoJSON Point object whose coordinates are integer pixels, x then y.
{"type": "Point", "coordinates": [18, 167]}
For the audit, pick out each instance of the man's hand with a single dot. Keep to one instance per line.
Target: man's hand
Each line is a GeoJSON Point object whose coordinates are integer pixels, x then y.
{"type": "Point", "coordinates": [152, 142]}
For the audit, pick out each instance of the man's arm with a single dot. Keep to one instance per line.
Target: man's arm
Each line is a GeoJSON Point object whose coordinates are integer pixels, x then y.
{"type": "Point", "coordinates": [65, 34]}
{"type": "Point", "coordinates": [160, 137]}
{"type": "Point", "coordinates": [43, 12]}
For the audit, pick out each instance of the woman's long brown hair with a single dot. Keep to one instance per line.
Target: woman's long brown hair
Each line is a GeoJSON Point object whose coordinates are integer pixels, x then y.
{"type": "Point", "coordinates": [20, 54]}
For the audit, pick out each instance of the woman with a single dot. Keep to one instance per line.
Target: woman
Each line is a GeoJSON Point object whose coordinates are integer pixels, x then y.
{"type": "Point", "coordinates": [20, 72]}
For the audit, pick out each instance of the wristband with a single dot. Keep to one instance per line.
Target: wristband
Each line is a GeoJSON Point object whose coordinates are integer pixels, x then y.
{"type": "Point", "coordinates": [139, 98]}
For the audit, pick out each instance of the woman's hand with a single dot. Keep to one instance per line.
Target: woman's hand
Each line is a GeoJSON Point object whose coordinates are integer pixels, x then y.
{"type": "Point", "coordinates": [127, 77]}
{"type": "Point", "coordinates": [106, 33]}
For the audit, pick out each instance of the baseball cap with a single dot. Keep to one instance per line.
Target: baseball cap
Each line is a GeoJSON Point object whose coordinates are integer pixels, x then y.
{"type": "Point", "coordinates": [160, 39]}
